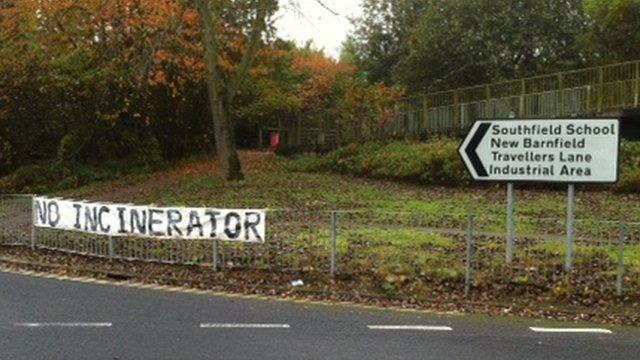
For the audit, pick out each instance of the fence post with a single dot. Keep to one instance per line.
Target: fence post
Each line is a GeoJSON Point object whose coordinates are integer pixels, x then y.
{"type": "Point", "coordinates": [214, 260]}
{"type": "Point", "coordinates": [425, 114]}
{"type": "Point", "coordinates": [487, 108]}
{"type": "Point", "coordinates": [620, 260]}
{"type": "Point", "coordinates": [600, 90]}
{"type": "Point", "coordinates": [457, 119]}
{"type": "Point", "coordinates": [561, 111]}
{"type": "Point", "coordinates": [33, 226]}
{"type": "Point", "coordinates": [333, 242]}
{"type": "Point", "coordinates": [111, 248]}
{"type": "Point", "coordinates": [522, 106]}
{"type": "Point", "coordinates": [467, 272]}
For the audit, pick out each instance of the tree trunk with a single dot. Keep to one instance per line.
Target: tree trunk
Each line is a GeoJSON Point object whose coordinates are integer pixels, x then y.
{"type": "Point", "coordinates": [228, 161]}
{"type": "Point", "coordinates": [224, 132]}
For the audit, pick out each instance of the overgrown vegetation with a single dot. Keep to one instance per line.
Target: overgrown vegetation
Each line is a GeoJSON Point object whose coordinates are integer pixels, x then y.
{"type": "Point", "coordinates": [434, 162]}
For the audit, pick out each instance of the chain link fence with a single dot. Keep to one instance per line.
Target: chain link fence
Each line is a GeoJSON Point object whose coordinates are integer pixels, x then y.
{"type": "Point", "coordinates": [396, 249]}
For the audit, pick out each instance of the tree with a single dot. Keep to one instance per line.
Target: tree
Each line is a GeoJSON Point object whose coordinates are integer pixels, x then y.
{"type": "Point", "coordinates": [376, 44]}
{"type": "Point", "coordinates": [222, 88]}
{"type": "Point", "coordinates": [433, 44]}
{"type": "Point", "coordinates": [613, 34]}
{"type": "Point", "coordinates": [466, 42]}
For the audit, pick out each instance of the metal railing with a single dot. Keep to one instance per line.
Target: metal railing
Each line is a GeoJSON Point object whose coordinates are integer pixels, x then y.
{"type": "Point", "coordinates": [591, 91]}
{"type": "Point", "coordinates": [405, 251]}
{"type": "Point", "coordinates": [601, 90]}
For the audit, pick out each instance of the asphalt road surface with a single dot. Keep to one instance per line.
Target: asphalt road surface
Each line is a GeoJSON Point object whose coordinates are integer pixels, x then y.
{"type": "Point", "coordinates": [52, 319]}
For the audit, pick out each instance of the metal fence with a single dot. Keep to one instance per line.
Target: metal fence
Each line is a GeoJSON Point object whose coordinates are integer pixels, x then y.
{"type": "Point", "coordinates": [601, 90]}
{"type": "Point", "coordinates": [590, 91]}
{"type": "Point", "coordinates": [406, 251]}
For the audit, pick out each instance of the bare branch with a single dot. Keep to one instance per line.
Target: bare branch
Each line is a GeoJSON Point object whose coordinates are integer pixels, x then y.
{"type": "Point", "coordinates": [321, 3]}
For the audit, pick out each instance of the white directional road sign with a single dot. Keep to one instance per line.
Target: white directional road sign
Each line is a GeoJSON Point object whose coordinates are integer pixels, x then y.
{"type": "Point", "coordinates": [543, 150]}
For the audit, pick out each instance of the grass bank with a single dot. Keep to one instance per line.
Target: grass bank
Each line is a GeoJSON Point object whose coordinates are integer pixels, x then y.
{"type": "Point", "coordinates": [435, 162]}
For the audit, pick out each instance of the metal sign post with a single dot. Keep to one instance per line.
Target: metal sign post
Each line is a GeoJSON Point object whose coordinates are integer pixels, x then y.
{"type": "Point", "coordinates": [570, 150]}
{"type": "Point", "coordinates": [510, 225]}
{"type": "Point", "coordinates": [568, 264]}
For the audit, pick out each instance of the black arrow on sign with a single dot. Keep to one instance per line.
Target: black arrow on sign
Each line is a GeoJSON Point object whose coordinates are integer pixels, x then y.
{"type": "Point", "coordinates": [473, 145]}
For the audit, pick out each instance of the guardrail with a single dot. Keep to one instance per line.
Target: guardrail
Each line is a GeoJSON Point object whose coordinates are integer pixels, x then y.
{"type": "Point", "coordinates": [399, 249]}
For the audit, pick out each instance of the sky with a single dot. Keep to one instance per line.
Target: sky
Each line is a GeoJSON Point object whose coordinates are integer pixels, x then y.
{"type": "Point", "coordinates": [311, 21]}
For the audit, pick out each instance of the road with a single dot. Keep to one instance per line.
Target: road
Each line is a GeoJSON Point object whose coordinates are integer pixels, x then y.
{"type": "Point", "coordinates": [52, 319]}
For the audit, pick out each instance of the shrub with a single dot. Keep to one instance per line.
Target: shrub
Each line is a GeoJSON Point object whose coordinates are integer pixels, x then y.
{"type": "Point", "coordinates": [629, 167]}
{"type": "Point", "coordinates": [432, 162]}
{"type": "Point", "coordinates": [32, 178]}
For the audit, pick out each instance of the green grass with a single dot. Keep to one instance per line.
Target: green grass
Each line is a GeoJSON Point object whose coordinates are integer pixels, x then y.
{"type": "Point", "coordinates": [323, 191]}
{"type": "Point", "coordinates": [397, 255]}
{"type": "Point", "coordinates": [610, 253]}
{"type": "Point", "coordinates": [399, 238]}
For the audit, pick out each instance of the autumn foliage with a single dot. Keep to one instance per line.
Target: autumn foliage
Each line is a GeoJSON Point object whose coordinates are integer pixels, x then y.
{"type": "Point", "coordinates": [99, 82]}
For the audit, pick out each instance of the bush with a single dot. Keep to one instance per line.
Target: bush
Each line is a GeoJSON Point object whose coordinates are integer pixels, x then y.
{"type": "Point", "coordinates": [432, 162]}
{"type": "Point", "coordinates": [41, 178]}
{"type": "Point", "coordinates": [31, 178]}
{"type": "Point", "coordinates": [629, 180]}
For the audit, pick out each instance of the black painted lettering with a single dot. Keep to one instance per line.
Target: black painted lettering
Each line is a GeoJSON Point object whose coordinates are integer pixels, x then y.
{"type": "Point", "coordinates": [173, 217]}
{"type": "Point", "coordinates": [121, 228]}
{"type": "Point", "coordinates": [53, 210]}
{"type": "Point", "coordinates": [235, 232]}
{"type": "Point", "coordinates": [155, 220]}
{"type": "Point", "coordinates": [90, 218]}
{"type": "Point", "coordinates": [103, 210]}
{"type": "Point", "coordinates": [212, 219]}
{"type": "Point", "coordinates": [251, 225]}
{"type": "Point", "coordinates": [137, 221]}
{"type": "Point", "coordinates": [194, 222]}
{"type": "Point", "coordinates": [78, 208]}
{"type": "Point", "coordinates": [41, 211]}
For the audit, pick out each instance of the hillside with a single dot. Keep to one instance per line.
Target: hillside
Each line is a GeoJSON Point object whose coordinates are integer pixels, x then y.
{"type": "Point", "coordinates": [270, 185]}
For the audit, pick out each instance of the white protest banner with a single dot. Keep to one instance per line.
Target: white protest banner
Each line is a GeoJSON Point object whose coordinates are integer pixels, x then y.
{"type": "Point", "coordinates": [150, 221]}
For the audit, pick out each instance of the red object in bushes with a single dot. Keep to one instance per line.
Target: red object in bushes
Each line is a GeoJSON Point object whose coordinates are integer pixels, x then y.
{"type": "Point", "coordinates": [274, 142]}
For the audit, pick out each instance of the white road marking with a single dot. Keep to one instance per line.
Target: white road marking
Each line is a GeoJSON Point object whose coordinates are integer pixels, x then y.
{"type": "Point", "coordinates": [571, 330]}
{"type": "Point", "coordinates": [410, 327]}
{"type": "Point", "coordinates": [63, 324]}
{"type": "Point", "coordinates": [243, 326]}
